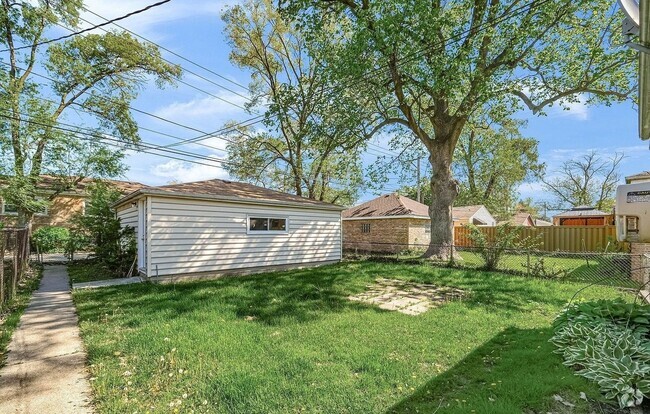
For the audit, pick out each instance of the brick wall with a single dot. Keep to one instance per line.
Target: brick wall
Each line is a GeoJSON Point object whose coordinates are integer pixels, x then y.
{"type": "Point", "coordinates": [59, 213]}
{"type": "Point", "coordinates": [382, 233]}
{"type": "Point", "coordinates": [419, 233]}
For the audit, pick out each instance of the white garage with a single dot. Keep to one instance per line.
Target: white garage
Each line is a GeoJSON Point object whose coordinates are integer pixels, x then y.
{"type": "Point", "coordinates": [219, 227]}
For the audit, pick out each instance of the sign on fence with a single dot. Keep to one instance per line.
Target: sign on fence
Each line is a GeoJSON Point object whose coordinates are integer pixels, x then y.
{"type": "Point", "coordinates": [555, 238]}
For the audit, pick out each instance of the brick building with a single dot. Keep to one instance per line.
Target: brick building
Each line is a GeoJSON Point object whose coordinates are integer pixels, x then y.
{"type": "Point", "coordinates": [393, 222]}
{"type": "Point", "coordinates": [62, 207]}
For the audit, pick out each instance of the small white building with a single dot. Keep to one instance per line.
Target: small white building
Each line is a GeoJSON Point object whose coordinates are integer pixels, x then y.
{"type": "Point", "coordinates": [219, 227]}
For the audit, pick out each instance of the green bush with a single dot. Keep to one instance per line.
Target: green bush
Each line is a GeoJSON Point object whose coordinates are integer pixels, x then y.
{"type": "Point", "coordinates": [114, 246]}
{"type": "Point", "coordinates": [492, 250]}
{"type": "Point", "coordinates": [50, 239]}
{"type": "Point", "coordinates": [607, 342]}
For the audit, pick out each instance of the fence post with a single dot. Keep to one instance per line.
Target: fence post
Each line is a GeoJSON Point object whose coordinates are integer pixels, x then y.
{"type": "Point", "coordinates": [527, 262]}
{"type": "Point", "coordinates": [14, 276]}
{"type": "Point", "coordinates": [2, 268]}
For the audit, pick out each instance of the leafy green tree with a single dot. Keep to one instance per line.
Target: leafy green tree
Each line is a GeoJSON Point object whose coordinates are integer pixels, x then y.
{"type": "Point", "coordinates": [490, 162]}
{"type": "Point", "coordinates": [101, 74]}
{"type": "Point", "coordinates": [430, 66]}
{"type": "Point", "coordinates": [311, 142]}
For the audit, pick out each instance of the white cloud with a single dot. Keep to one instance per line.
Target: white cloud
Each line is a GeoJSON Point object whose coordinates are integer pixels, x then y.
{"type": "Point", "coordinates": [577, 109]}
{"type": "Point", "coordinates": [148, 23]}
{"type": "Point", "coordinates": [174, 170]}
{"type": "Point", "coordinates": [204, 108]}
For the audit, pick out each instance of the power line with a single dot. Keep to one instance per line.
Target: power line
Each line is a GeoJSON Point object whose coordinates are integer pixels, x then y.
{"type": "Point", "coordinates": [78, 32]}
{"type": "Point", "coordinates": [95, 135]}
{"type": "Point", "coordinates": [441, 43]}
{"type": "Point", "coordinates": [205, 135]}
{"type": "Point", "coordinates": [170, 52]}
{"type": "Point", "coordinates": [186, 83]}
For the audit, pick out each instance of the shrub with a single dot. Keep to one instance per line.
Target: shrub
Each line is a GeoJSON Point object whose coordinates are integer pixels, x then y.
{"type": "Point", "coordinates": [607, 342]}
{"type": "Point", "coordinates": [538, 268]}
{"type": "Point", "coordinates": [50, 239]}
{"type": "Point", "coordinates": [492, 250]}
{"type": "Point", "coordinates": [78, 241]}
{"type": "Point", "coordinates": [114, 246]}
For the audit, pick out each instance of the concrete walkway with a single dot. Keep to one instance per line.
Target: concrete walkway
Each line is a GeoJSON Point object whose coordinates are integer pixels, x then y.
{"type": "Point", "coordinates": [109, 282]}
{"type": "Point", "coordinates": [45, 370]}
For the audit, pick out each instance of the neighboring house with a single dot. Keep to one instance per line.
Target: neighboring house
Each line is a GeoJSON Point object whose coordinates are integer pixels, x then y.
{"type": "Point", "coordinates": [521, 219]}
{"type": "Point", "coordinates": [393, 222]}
{"type": "Point", "coordinates": [583, 216]}
{"type": "Point", "coordinates": [218, 227]}
{"type": "Point", "coordinates": [64, 206]}
{"type": "Point", "coordinates": [542, 223]}
{"type": "Point", "coordinates": [642, 177]}
{"type": "Point", "coordinates": [477, 215]}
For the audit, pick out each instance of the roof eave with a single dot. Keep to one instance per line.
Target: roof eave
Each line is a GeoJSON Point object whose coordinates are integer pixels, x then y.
{"type": "Point", "coordinates": [400, 216]}
{"type": "Point", "coordinates": [213, 197]}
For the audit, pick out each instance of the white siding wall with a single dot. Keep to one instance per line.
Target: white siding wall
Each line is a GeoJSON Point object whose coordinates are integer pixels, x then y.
{"type": "Point", "coordinates": [208, 236]}
{"type": "Point", "coordinates": [129, 217]}
{"type": "Point", "coordinates": [484, 215]}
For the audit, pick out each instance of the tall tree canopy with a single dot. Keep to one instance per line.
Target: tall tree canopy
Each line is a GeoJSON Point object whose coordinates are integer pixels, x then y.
{"type": "Point", "coordinates": [491, 160]}
{"type": "Point", "coordinates": [311, 141]}
{"type": "Point", "coordinates": [430, 66]}
{"type": "Point", "coordinates": [589, 180]}
{"type": "Point", "coordinates": [96, 76]}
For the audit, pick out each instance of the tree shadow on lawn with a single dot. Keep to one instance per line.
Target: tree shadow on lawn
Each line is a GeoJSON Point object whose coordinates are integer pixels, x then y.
{"type": "Point", "coordinates": [270, 298]}
{"type": "Point", "coordinates": [309, 294]}
{"type": "Point", "coordinates": [514, 372]}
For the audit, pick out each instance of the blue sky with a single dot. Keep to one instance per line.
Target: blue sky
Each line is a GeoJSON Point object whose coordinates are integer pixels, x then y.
{"type": "Point", "coordinates": [194, 30]}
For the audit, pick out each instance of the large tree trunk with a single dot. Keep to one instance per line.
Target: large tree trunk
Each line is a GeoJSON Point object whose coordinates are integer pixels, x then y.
{"type": "Point", "coordinates": [444, 190]}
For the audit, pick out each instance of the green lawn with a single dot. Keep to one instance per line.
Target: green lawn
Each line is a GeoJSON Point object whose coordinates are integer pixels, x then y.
{"type": "Point", "coordinates": [292, 342]}
{"type": "Point", "coordinates": [10, 313]}
{"type": "Point", "coordinates": [598, 268]}
{"type": "Point", "coordinates": [88, 270]}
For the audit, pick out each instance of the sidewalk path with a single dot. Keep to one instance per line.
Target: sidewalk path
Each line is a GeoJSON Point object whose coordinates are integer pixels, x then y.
{"type": "Point", "coordinates": [45, 370]}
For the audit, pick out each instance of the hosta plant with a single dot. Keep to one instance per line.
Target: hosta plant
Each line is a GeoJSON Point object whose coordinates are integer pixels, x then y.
{"type": "Point", "coordinates": [606, 342]}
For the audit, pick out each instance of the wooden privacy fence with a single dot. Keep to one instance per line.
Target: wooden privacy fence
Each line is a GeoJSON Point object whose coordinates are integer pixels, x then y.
{"type": "Point", "coordinates": [14, 257]}
{"type": "Point", "coordinates": [554, 238]}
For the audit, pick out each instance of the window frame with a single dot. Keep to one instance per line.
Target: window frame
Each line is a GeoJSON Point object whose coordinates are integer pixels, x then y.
{"type": "Point", "coordinates": [44, 213]}
{"type": "Point", "coordinates": [268, 218]}
{"type": "Point", "coordinates": [365, 226]}
{"type": "Point", "coordinates": [5, 213]}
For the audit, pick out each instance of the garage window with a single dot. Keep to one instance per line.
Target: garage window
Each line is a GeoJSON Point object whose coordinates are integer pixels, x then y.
{"type": "Point", "coordinates": [365, 228]}
{"type": "Point", "coordinates": [267, 224]}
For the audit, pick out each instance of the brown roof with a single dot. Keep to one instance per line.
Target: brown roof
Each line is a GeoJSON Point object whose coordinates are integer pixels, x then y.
{"type": "Point", "coordinates": [645, 175]}
{"type": "Point", "coordinates": [394, 204]}
{"type": "Point", "coordinates": [465, 212]}
{"type": "Point", "coordinates": [388, 205]}
{"type": "Point", "coordinates": [582, 211]}
{"type": "Point", "coordinates": [224, 189]}
{"type": "Point", "coordinates": [53, 183]}
{"type": "Point", "coordinates": [520, 219]}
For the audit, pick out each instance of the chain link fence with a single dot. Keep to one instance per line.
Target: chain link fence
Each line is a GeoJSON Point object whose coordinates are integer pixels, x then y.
{"type": "Point", "coordinates": [616, 269]}
{"type": "Point", "coordinates": [14, 256]}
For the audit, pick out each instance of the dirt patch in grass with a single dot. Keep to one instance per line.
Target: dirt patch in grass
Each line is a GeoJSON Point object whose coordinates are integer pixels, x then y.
{"type": "Point", "coordinates": [407, 297]}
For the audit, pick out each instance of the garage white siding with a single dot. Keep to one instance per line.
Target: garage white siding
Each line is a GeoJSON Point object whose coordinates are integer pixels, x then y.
{"type": "Point", "coordinates": [128, 217]}
{"type": "Point", "coordinates": [484, 216]}
{"type": "Point", "coordinates": [189, 236]}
